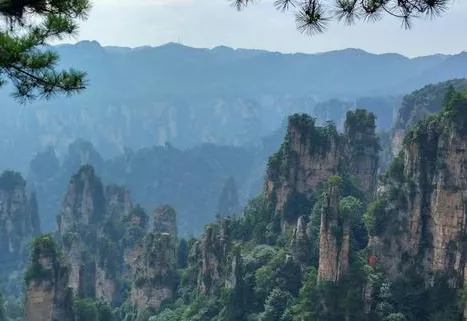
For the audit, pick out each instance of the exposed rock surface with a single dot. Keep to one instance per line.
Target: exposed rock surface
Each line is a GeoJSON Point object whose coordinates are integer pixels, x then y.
{"type": "Point", "coordinates": [300, 244]}
{"type": "Point", "coordinates": [362, 148]}
{"type": "Point", "coordinates": [212, 256]}
{"type": "Point", "coordinates": [334, 239]}
{"type": "Point", "coordinates": [309, 156]}
{"type": "Point", "coordinates": [419, 104]}
{"type": "Point", "coordinates": [118, 202]}
{"type": "Point", "coordinates": [165, 220]}
{"type": "Point", "coordinates": [19, 220]}
{"type": "Point", "coordinates": [48, 296]}
{"type": "Point", "coordinates": [84, 201]}
{"type": "Point", "coordinates": [19, 224]}
{"type": "Point", "coordinates": [155, 267]}
{"type": "Point", "coordinates": [430, 217]}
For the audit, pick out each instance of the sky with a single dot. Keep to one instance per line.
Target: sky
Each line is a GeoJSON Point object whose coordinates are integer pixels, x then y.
{"type": "Point", "coordinates": [211, 23]}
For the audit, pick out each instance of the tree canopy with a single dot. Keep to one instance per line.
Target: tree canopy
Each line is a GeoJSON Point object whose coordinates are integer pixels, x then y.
{"type": "Point", "coordinates": [313, 16]}
{"type": "Point", "coordinates": [25, 58]}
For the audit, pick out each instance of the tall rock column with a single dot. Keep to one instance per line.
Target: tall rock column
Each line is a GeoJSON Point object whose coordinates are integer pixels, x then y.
{"type": "Point", "coordinates": [334, 239]}
{"type": "Point", "coordinates": [362, 147]}
{"type": "Point", "coordinates": [155, 268]}
{"type": "Point", "coordinates": [309, 155]}
{"type": "Point", "coordinates": [48, 296]}
{"type": "Point", "coordinates": [165, 220]}
{"type": "Point", "coordinates": [300, 244]}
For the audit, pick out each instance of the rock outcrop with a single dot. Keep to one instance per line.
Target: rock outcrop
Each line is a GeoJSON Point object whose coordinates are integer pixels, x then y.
{"type": "Point", "coordinates": [429, 213]}
{"type": "Point", "coordinates": [419, 104]}
{"type": "Point", "coordinates": [165, 220]}
{"type": "Point", "coordinates": [212, 256]}
{"type": "Point", "coordinates": [309, 155]}
{"type": "Point", "coordinates": [118, 202]}
{"type": "Point", "coordinates": [155, 267]}
{"type": "Point", "coordinates": [84, 202]}
{"type": "Point", "coordinates": [300, 244]}
{"type": "Point", "coordinates": [88, 228]}
{"type": "Point", "coordinates": [48, 296]}
{"type": "Point", "coordinates": [19, 224]}
{"type": "Point", "coordinates": [334, 239]}
{"type": "Point", "coordinates": [362, 148]}
{"type": "Point", "coordinates": [228, 204]}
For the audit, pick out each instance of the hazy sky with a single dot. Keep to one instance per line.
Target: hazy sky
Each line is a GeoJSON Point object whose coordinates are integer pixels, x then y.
{"type": "Point", "coordinates": [209, 23]}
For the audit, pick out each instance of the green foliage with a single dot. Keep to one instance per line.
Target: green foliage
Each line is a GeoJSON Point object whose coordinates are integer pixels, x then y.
{"type": "Point", "coordinates": [87, 309]}
{"type": "Point", "coordinates": [258, 218]}
{"type": "Point", "coordinates": [426, 101]}
{"type": "Point", "coordinates": [136, 224]}
{"type": "Point", "coordinates": [318, 139]}
{"type": "Point", "coordinates": [23, 58]}
{"type": "Point", "coordinates": [275, 305]}
{"type": "Point", "coordinates": [456, 105]}
{"type": "Point", "coordinates": [331, 300]}
{"type": "Point", "coordinates": [43, 246]}
{"type": "Point", "coordinates": [353, 209]}
{"type": "Point", "coordinates": [359, 130]}
{"type": "Point", "coordinates": [395, 171]}
{"type": "Point", "coordinates": [375, 217]}
{"type": "Point", "coordinates": [408, 298]}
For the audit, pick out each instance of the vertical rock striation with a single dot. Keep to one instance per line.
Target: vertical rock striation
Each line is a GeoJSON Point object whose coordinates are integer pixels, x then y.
{"type": "Point", "coordinates": [48, 296]}
{"type": "Point", "coordinates": [334, 239]}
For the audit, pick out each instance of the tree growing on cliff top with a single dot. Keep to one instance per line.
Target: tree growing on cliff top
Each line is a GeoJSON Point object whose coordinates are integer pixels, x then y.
{"type": "Point", "coordinates": [312, 16]}
{"type": "Point", "coordinates": [29, 25]}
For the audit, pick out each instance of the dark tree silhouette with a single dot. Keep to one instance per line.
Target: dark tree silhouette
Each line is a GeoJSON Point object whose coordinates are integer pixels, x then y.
{"type": "Point", "coordinates": [25, 59]}
{"type": "Point", "coordinates": [312, 16]}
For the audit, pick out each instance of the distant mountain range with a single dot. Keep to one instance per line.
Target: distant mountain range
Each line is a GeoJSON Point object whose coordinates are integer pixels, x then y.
{"type": "Point", "coordinates": [141, 97]}
{"type": "Point", "coordinates": [175, 69]}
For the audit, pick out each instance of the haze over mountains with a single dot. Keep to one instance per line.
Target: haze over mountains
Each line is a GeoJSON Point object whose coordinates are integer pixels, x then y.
{"type": "Point", "coordinates": [143, 97]}
{"type": "Point", "coordinates": [150, 95]}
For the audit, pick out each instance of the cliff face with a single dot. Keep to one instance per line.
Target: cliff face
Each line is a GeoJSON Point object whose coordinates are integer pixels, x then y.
{"type": "Point", "coordinates": [19, 224]}
{"type": "Point", "coordinates": [89, 230]}
{"type": "Point", "coordinates": [419, 104]}
{"type": "Point", "coordinates": [362, 148]}
{"type": "Point", "coordinates": [19, 220]}
{"type": "Point", "coordinates": [309, 156]}
{"type": "Point", "coordinates": [84, 202]}
{"type": "Point", "coordinates": [155, 267]}
{"type": "Point", "coordinates": [300, 244]}
{"type": "Point", "coordinates": [48, 296]}
{"type": "Point", "coordinates": [429, 213]}
{"type": "Point", "coordinates": [334, 238]}
{"type": "Point", "coordinates": [118, 202]}
{"type": "Point", "coordinates": [228, 204]}
{"type": "Point", "coordinates": [165, 220]}
{"type": "Point", "coordinates": [211, 256]}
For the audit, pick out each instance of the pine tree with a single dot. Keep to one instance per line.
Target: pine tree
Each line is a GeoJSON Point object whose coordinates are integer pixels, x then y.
{"type": "Point", "coordinates": [25, 59]}
{"type": "Point", "coordinates": [312, 16]}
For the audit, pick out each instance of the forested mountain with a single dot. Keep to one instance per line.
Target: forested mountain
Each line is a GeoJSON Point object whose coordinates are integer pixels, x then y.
{"type": "Point", "coordinates": [190, 180]}
{"type": "Point", "coordinates": [148, 96]}
{"type": "Point", "coordinates": [321, 242]}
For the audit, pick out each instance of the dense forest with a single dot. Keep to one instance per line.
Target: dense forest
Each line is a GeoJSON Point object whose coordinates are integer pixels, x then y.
{"type": "Point", "coordinates": [332, 236]}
